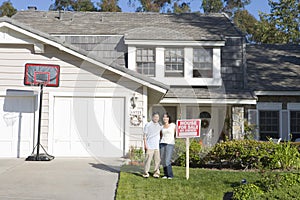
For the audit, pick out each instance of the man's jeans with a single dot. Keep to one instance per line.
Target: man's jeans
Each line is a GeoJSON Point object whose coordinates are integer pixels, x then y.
{"type": "Point", "coordinates": [149, 155]}
{"type": "Point", "coordinates": [166, 151]}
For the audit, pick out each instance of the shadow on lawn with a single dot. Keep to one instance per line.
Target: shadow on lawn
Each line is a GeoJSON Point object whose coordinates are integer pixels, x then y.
{"type": "Point", "coordinates": [228, 196]}
{"type": "Point", "coordinates": [133, 169]}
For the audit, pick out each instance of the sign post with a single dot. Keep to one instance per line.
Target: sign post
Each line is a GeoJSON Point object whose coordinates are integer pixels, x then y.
{"type": "Point", "coordinates": [187, 158]}
{"type": "Point", "coordinates": [188, 128]}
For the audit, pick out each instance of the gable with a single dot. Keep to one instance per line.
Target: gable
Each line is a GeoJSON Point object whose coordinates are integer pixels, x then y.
{"type": "Point", "coordinates": [15, 33]}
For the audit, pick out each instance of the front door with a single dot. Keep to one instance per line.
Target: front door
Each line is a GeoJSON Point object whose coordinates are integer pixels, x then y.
{"type": "Point", "coordinates": [171, 110]}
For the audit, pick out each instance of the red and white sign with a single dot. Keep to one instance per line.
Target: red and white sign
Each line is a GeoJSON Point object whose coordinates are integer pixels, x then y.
{"type": "Point", "coordinates": [188, 128]}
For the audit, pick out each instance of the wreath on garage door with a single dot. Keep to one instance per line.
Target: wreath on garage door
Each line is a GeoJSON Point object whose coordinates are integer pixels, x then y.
{"type": "Point", "coordinates": [204, 123]}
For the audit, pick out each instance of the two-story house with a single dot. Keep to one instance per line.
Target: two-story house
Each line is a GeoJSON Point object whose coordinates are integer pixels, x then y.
{"type": "Point", "coordinates": [118, 68]}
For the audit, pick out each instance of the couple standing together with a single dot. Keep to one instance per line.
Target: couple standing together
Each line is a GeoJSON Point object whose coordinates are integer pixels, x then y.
{"type": "Point", "coordinates": [159, 143]}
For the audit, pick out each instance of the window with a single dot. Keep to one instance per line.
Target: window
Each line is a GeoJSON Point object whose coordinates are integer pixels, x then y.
{"type": "Point", "coordinates": [174, 62]}
{"type": "Point", "coordinates": [145, 61]}
{"type": "Point", "coordinates": [295, 124]}
{"type": "Point", "coordinates": [203, 63]}
{"type": "Point", "coordinates": [268, 124]}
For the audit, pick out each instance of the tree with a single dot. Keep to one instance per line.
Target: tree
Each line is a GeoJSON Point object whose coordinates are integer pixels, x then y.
{"type": "Point", "coordinates": [246, 23]}
{"type": "Point", "coordinates": [61, 5]}
{"type": "Point", "coordinates": [150, 5]}
{"type": "Point", "coordinates": [73, 5]}
{"type": "Point", "coordinates": [212, 6]}
{"type": "Point", "coordinates": [109, 6]}
{"type": "Point", "coordinates": [227, 6]}
{"type": "Point", "coordinates": [232, 6]}
{"type": "Point", "coordinates": [265, 32]}
{"type": "Point", "coordinates": [7, 9]}
{"type": "Point", "coordinates": [283, 21]}
{"type": "Point", "coordinates": [83, 5]}
{"type": "Point", "coordinates": [181, 8]}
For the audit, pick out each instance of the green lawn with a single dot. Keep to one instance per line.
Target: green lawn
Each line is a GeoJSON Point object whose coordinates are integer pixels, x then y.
{"type": "Point", "coordinates": [203, 184]}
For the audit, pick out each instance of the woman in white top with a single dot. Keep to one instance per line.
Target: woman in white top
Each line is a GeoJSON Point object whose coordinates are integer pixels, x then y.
{"type": "Point", "coordinates": [166, 145]}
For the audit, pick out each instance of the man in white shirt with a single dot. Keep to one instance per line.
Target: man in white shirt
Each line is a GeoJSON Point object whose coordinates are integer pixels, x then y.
{"type": "Point", "coordinates": [151, 144]}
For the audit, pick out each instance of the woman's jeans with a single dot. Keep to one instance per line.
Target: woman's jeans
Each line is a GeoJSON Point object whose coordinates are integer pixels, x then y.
{"type": "Point", "coordinates": [166, 151]}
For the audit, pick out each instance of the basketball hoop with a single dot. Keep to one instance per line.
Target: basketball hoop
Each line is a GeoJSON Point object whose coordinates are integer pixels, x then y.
{"type": "Point", "coordinates": [41, 75]}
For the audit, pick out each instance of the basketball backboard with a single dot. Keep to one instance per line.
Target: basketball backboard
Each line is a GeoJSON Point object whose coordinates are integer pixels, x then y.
{"type": "Point", "coordinates": [46, 74]}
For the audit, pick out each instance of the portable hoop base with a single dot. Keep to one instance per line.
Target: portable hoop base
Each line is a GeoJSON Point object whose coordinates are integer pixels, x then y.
{"type": "Point", "coordinates": [40, 157]}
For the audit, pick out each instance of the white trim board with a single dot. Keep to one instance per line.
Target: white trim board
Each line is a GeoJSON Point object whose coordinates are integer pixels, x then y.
{"type": "Point", "coordinates": [97, 35]}
{"type": "Point", "coordinates": [277, 93]}
{"type": "Point", "coordinates": [207, 101]}
{"type": "Point", "coordinates": [293, 106]}
{"type": "Point", "coordinates": [174, 43]}
{"type": "Point", "coordinates": [268, 106]}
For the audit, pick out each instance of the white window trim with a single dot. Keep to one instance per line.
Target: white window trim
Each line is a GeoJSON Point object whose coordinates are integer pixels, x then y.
{"type": "Point", "coordinates": [188, 78]}
{"type": "Point", "coordinates": [132, 58]}
{"type": "Point", "coordinates": [293, 106]}
{"type": "Point", "coordinates": [269, 106]}
{"type": "Point", "coordinates": [159, 63]}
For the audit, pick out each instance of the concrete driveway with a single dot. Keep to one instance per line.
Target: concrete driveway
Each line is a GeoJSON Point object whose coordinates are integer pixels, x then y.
{"type": "Point", "coordinates": [78, 178]}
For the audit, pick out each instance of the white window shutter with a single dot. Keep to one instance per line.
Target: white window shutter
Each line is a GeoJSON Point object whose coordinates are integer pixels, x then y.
{"type": "Point", "coordinates": [253, 120]}
{"type": "Point", "coordinates": [284, 125]}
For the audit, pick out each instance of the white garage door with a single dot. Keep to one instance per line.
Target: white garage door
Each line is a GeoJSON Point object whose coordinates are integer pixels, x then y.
{"type": "Point", "coordinates": [86, 127]}
{"type": "Point", "coordinates": [16, 126]}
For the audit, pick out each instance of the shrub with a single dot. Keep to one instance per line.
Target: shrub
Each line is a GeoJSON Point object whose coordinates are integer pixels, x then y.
{"type": "Point", "coordinates": [136, 154]}
{"type": "Point", "coordinates": [270, 186]}
{"type": "Point", "coordinates": [195, 152]}
{"type": "Point", "coordinates": [285, 157]}
{"type": "Point", "coordinates": [254, 154]}
{"type": "Point", "coordinates": [241, 154]}
{"type": "Point", "coordinates": [247, 191]}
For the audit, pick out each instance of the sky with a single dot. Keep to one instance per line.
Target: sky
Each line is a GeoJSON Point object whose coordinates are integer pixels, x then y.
{"type": "Point", "coordinates": [253, 8]}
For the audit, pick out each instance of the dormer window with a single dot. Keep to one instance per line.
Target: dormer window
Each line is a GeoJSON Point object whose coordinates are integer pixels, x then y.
{"type": "Point", "coordinates": [174, 62]}
{"type": "Point", "coordinates": [202, 63]}
{"type": "Point", "coordinates": [145, 61]}
{"type": "Point", "coordinates": [181, 63]}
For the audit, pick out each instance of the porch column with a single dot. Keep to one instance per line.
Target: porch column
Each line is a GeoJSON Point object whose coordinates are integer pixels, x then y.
{"type": "Point", "coordinates": [237, 122]}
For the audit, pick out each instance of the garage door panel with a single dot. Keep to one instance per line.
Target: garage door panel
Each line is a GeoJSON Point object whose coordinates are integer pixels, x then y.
{"type": "Point", "coordinates": [62, 120]}
{"type": "Point", "coordinates": [80, 117]}
{"type": "Point", "coordinates": [78, 148]}
{"type": "Point", "coordinates": [26, 124]}
{"type": "Point", "coordinates": [93, 128]}
{"type": "Point", "coordinates": [96, 148]}
{"type": "Point", "coordinates": [112, 148]}
{"type": "Point", "coordinates": [16, 125]}
{"type": "Point", "coordinates": [6, 148]}
{"type": "Point", "coordinates": [62, 146]}
{"type": "Point", "coordinates": [25, 146]}
{"type": "Point", "coordinates": [115, 124]}
{"type": "Point", "coordinates": [96, 120]}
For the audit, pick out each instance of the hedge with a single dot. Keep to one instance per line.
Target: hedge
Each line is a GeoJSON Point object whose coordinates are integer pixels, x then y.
{"type": "Point", "coordinates": [240, 154]}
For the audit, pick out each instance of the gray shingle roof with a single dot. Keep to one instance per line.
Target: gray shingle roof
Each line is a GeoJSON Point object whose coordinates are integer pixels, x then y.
{"type": "Point", "coordinates": [273, 67]}
{"type": "Point", "coordinates": [208, 93]}
{"type": "Point", "coordinates": [191, 26]}
{"type": "Point", "coordinates": [83, 52]}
